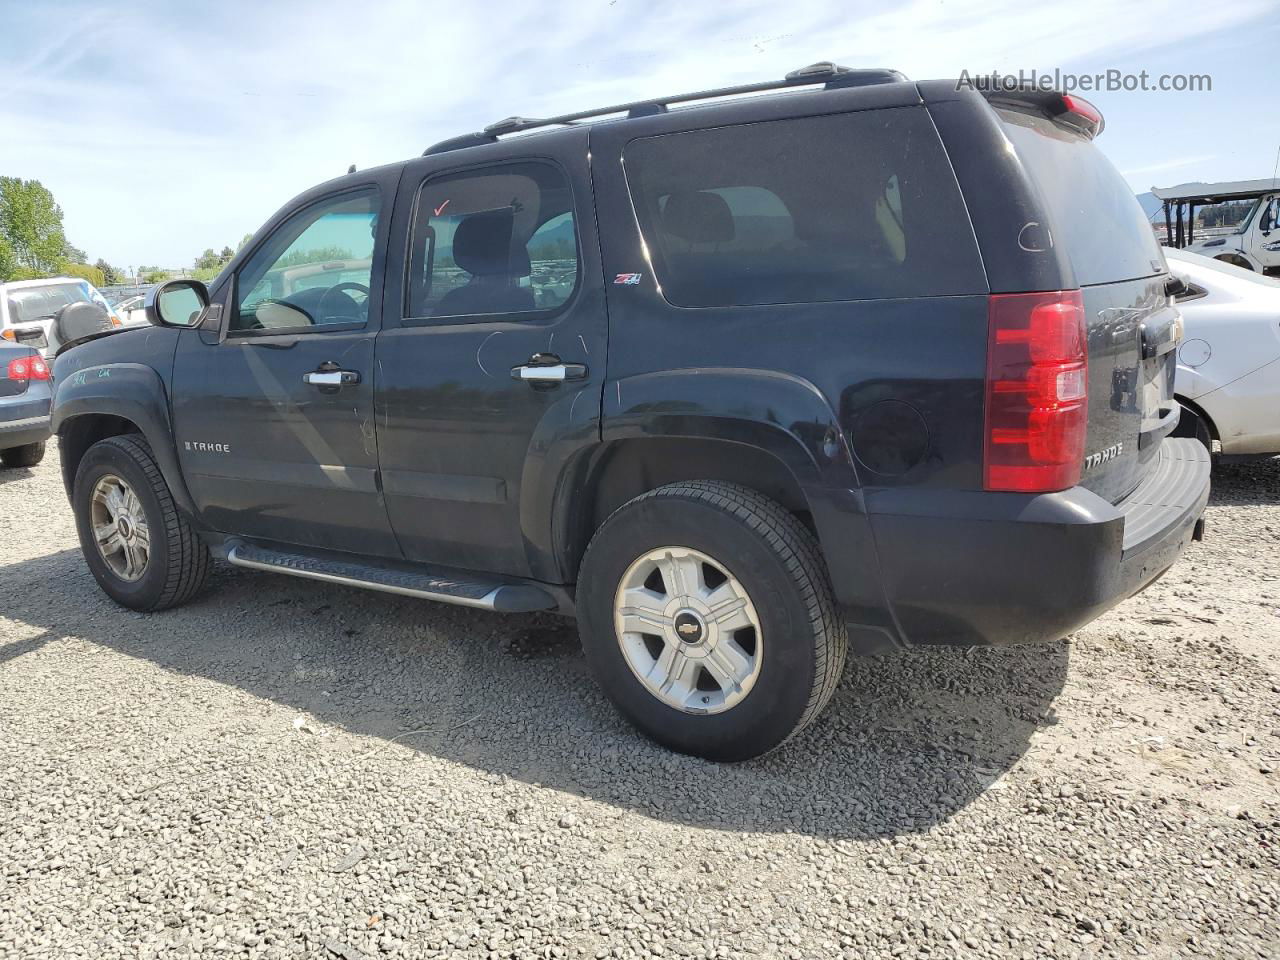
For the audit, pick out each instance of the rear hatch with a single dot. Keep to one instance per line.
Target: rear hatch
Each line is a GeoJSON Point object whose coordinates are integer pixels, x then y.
{"type": "Point", "coordinates": [32, 311]}
{"type": "Point", "coordinates": [1132, 323]}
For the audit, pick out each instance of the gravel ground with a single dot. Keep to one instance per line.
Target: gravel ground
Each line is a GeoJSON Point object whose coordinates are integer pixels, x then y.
{"type": "Point", "coordinates": [288, 769]}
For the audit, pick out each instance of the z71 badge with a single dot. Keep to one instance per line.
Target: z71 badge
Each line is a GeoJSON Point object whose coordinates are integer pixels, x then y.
{"type": "Point", "coordinates": [1103, 456]}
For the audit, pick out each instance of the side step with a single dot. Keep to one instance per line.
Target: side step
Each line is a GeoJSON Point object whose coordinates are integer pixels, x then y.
{"type": "Point", "coordinates": [441, 586]}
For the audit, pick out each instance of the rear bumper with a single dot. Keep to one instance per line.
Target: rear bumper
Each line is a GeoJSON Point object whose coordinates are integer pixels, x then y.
{"type": "Point", "coordinates": [982, 568]}
{"type": "Point", "coordinates": [19, 433]}
{"type": "Point", "coordinates": [25, 418]}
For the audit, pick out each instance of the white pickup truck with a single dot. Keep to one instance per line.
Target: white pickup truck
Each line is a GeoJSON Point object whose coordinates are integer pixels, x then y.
{"type": "Point", "coordinates": [1255, 242]}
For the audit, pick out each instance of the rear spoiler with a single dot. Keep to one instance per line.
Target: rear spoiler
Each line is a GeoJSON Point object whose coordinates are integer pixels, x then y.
{"type": "Point", "coordinates": [1065, 109]}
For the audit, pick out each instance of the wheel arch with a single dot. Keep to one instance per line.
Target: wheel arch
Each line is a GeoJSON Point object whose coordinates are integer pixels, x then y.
{"type": "Point", "coordinates": [113, 399]}
{"type": "Point", "coordinates": [621, 470]}
{"type": "Point", "coordinates": [1236, 260]}
{"type": "Point", "coordinates": [773, 433]}
{"type": "Point", "coordinates": [1198, 411]}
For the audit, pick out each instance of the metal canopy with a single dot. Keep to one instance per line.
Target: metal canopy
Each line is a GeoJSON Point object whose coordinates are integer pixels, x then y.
{"type": "Point", "coordinates": [1215, 192]}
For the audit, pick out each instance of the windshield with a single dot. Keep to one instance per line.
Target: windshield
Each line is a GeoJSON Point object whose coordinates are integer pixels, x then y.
{"type": "Point", "coordinates": [1248, 217]}
{"type": "Point", "coordinates": [37, 303]}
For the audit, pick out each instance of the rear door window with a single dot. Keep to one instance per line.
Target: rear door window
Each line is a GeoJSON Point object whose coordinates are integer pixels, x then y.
{"type": "Point", "coordinates": [492, 241]}
{"type": "Point", "coordinates": [847, 207]}
{"type": "Point", "coordinates": [1095, 214]}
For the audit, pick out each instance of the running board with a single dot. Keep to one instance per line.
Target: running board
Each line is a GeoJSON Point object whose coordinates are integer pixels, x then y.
{"type": "Point", "coordinates": [485, 594]}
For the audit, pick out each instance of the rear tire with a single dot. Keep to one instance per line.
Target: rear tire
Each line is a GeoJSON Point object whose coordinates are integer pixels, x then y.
{"type": "Point", "coordinates": [749, 557]}
{"type": "Point", "coordinates": [162, 566]}
{"type": "Point", "coordinates": [27, 455]}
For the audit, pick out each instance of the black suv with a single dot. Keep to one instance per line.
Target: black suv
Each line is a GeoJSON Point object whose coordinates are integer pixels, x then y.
{"type": "Point", "coordinates": [740, 383]}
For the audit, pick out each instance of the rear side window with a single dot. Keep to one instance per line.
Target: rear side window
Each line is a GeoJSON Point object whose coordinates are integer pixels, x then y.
{"type": "Point", "coordinates": [849, 207]}
{"type": "Point", "coordinates": [1095, 215]}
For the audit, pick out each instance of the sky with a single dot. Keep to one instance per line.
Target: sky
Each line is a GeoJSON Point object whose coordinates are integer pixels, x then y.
{"type": "Point", "coordinates": [163, 129]}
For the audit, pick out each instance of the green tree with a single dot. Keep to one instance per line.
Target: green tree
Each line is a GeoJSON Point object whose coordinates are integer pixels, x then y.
{"type": "Point", "coordinates": [226, 254]}
{"type": "Point", "coordinates": [110, 274]}
{"type": "Point", "coordinates": [8, 263]}
{"type": "Point", "coordinates": [31, 223]}
{"type": "Point", "coordinates": [152, 275]}
{"type": "Point", "coordinates": [86, 272]}
{"type": "Point", "coordinates": [74, 254]}
{"type": "Point", "coordinates": [207, 260]}
{"type": "Point", "coordinates": [318, 255]}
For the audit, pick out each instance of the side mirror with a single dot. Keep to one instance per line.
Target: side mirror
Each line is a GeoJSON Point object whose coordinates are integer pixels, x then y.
{"type": "Point", "coordinates": [178, 303]}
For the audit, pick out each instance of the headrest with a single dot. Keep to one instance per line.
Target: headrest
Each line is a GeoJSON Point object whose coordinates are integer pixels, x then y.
{"type": "Point", "coordinates": [482, 245]}
{"type": "Point", "coordinates": [698, 217]}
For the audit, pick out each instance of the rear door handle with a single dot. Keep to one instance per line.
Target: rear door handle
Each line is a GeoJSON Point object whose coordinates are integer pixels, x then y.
{"type": "Point", "coordinates": [548, 368]}
{"type": "Point", "coordinates": [331, 378]}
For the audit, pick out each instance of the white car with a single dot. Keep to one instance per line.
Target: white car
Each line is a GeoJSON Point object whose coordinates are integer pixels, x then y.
{"type": "Point", "coordinates": [1228, 379]}
{"type": "Point", "coordinates": [29, 308]}
{"type": "Point", "coordinates": [132, 311]}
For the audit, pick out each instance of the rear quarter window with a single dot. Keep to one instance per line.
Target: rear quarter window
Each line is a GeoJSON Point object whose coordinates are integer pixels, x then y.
{"type": "Point", "coordinates": [1096, 216]}
{"type": "Point", "coordinates": [844, 207]}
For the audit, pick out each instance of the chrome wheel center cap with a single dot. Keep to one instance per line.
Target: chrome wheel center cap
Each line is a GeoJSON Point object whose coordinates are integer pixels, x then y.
{"type": "Point", "coordinates": [689, 627]}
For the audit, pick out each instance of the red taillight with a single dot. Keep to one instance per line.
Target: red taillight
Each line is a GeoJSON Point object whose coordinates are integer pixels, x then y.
{"type": "Point", "coordinates": [28, 368]}
{"type": "Point", "coordinates": [1037, 403]}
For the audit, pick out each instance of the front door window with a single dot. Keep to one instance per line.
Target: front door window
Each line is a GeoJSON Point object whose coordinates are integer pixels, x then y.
{"type": "Point", "coordinates": [313, 271]}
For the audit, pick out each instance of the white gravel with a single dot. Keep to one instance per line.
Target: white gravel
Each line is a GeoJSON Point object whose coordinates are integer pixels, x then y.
{"type": "Point", "coordinates": [287, 769]}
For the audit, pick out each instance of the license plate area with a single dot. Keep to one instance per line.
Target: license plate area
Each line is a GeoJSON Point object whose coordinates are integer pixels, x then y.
{"type": "Point", "coordinates": [30, 336]}
{"type": "Point", "coordinates": [1157, 389]}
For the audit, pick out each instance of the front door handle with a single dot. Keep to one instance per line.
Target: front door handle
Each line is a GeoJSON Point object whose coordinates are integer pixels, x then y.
{"type": "Point", "coordinates": [331, 378]}
{"type": "Point", "coordinates": [548, 368]}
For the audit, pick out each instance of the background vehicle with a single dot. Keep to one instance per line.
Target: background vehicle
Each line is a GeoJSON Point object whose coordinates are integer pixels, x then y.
{"type": "Point", "coordinates": [132, 311]}
{"type": "Point", "coordinates": [30, 309]}
{"type": "Point", "coordinates": [25, 397]}
{"type": "Point", "coordinates": [1253, 244]}
{"type": "Point", "coordinates": [1229, 362]}
{"type": "Point", "coordinates": [777, 384]}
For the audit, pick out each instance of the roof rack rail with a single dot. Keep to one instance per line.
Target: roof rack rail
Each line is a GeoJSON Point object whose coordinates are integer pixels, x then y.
{"type": "Point", "coordinates": [832, 75]}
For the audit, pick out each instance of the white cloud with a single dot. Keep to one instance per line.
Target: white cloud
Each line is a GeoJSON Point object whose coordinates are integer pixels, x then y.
{"type": "Point", "coordinates": [1171, 164]}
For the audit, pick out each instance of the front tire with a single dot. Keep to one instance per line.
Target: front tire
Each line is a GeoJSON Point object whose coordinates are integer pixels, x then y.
{"type": "Point", "coordinates": [707, 617]}
{"type": "Point", "coordinates": [142, 552]}
{"type": "Point", "coordinates": [27, 455]}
